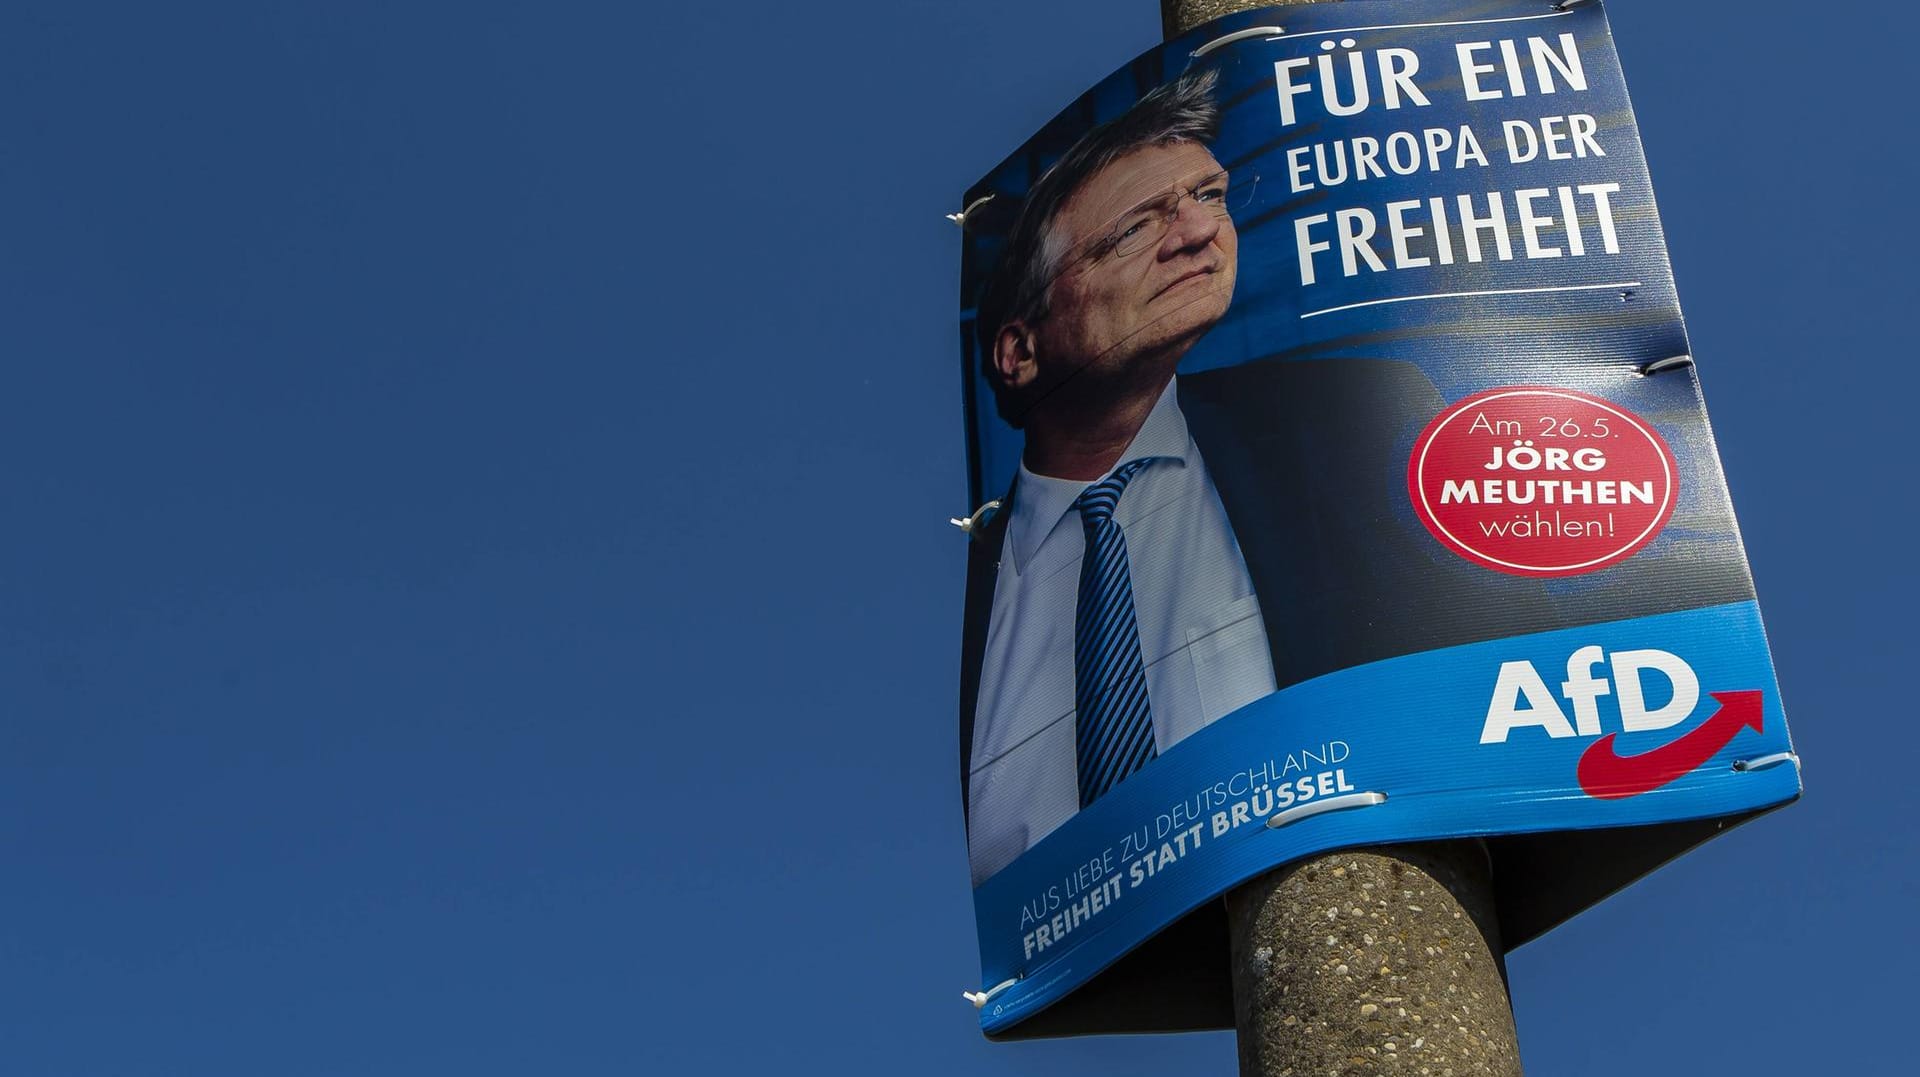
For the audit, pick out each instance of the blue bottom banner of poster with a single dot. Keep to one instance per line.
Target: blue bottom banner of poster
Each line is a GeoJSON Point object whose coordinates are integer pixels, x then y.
{"type": "Point", "coordinates": [1653, 719]}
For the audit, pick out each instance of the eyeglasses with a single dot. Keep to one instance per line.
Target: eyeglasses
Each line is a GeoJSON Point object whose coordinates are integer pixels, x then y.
{"type": "Point", "coordinates": [1146, 224]}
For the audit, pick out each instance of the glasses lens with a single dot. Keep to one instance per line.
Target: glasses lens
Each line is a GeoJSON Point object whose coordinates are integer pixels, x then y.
{"type": "Point", "coordinates": [1215, 195]}
{"type": "Point", "coordinates": [1224, 197]}
{"type": "Point", "coordinates": [1145, 224]}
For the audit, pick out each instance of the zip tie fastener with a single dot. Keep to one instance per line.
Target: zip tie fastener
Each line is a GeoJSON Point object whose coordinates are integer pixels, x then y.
{"type": "Point", "coordinates": [1658, 365]}
{"type": "Point", "coordinates": [981, 998]}
{"type": "Point", "coordinates": [1765, 761]}
{"type": "Point", "coordinates": [1237, 35]}
{"type": "Point", "coordinates": [980, 516]}
{"type": "Point", "coordinates": [1340, 803]}
{"type": "Point", "coordinates": [960, 218]}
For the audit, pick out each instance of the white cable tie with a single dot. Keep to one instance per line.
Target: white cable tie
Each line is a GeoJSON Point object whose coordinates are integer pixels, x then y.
{"type": "Point", "coordinates": [1766, 761]}
{"type": "Point", "coordinates": [1658, 365]}
{"type": "Point", "coordinates": [1351, 800]}
{"type": "Point", "coordinates": [1569, 5]}
{"type": "Point", "coordinates": [981, 998]}
{"type": "Point", "coordinates": [980, 516]}
{"type": "Point", "coordinates": [960, 218]}
{"type": "Point", "coordinates": [1237, 35]}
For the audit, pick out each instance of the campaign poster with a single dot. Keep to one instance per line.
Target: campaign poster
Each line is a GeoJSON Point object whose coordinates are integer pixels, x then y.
{"type": "Point", "coordinates": [1344, 478]}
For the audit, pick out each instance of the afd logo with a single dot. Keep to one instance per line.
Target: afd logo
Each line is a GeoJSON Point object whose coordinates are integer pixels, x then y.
{"type": "Point", "coordinates": [1521, 699]}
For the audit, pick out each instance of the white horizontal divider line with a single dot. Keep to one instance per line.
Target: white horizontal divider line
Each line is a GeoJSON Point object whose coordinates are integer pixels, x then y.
{"type": "Point", "coordinates": [1462, 295]}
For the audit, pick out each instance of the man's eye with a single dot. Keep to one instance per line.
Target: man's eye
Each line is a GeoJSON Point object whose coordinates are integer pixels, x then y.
{"type": "Point", "coordinates": [1212, 193]}
{"type": "Point", "coordinates": [1132, 228]}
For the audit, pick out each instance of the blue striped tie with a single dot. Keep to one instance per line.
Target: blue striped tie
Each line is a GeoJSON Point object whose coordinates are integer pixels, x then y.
{"type": "Point", "coordinates": [1113, 732]}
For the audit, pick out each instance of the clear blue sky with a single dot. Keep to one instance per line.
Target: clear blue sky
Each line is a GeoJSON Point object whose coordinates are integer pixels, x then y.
{"type": "Point", "coordinates": [477, 590]}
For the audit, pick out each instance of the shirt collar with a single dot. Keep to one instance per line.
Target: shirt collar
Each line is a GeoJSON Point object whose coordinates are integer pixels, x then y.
{"type": "Point", "coordinates": [1043, 501]}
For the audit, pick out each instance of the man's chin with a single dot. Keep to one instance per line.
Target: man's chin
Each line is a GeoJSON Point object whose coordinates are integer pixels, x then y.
{"type": "Point", "coordinates": [1180, 326]}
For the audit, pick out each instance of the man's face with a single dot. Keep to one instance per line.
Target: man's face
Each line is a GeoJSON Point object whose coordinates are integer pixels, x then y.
{"type": "Point", "coordinates": [1111, 311]}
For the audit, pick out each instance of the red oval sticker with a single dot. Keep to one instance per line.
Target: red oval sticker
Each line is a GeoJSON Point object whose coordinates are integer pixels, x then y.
{"type": "Point", "coordinates": [1542, 482]}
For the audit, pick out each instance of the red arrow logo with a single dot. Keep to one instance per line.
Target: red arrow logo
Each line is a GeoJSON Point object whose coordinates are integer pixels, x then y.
{"type": "Point", "coordinates": [1609, 776]}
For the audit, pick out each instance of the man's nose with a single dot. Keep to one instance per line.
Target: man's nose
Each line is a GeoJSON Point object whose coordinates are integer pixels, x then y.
{"type": "Point", "coordinates": [1193, 226]}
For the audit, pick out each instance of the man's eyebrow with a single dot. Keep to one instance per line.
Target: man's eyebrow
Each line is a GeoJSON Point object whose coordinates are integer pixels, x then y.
{"type": "Point", "coordinates": [1182, 187]}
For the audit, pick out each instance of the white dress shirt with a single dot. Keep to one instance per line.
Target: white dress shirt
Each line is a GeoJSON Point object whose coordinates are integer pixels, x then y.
{"type": "Point", "coordinates": [1201, 635]}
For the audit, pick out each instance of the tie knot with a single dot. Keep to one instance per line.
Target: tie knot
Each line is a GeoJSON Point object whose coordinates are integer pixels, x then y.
{"type": "Point", "coordinates": [1097, 502]}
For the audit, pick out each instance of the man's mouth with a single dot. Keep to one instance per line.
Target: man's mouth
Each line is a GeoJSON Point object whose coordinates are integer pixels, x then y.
{"type": "Point", "coordinates": [1185, 278]}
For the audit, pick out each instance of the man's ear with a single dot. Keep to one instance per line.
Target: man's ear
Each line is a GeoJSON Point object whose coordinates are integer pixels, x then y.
{"type": "Point", "coordinates": [1013, 355]}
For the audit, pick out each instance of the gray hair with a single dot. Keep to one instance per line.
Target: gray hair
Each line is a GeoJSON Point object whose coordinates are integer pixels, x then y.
{"type": "Point", "coordinates": [1183, 110]}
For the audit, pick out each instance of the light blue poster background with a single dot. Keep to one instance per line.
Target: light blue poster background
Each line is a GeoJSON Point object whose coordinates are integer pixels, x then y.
{"type": "Point", "coordinates": [1519, 97]}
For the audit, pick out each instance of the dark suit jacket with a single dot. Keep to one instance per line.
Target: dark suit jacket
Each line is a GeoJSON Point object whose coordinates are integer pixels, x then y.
{"type": "Point", "coordinates": [1310, 460]}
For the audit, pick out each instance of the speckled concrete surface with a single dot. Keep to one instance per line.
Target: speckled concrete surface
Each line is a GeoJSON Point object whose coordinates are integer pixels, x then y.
{"type": "Point", "coordinates": [1379, 961]}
